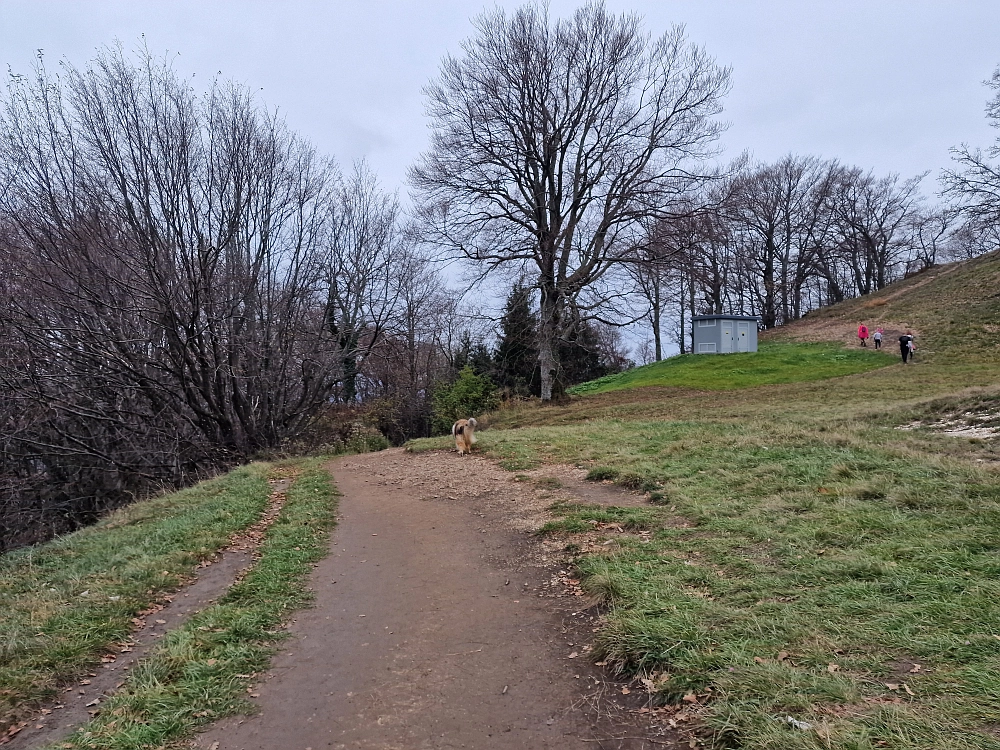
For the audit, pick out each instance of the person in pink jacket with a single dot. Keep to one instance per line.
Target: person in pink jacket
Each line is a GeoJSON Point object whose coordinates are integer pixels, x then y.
{"type": "Point", "coordinates": [863, 334]}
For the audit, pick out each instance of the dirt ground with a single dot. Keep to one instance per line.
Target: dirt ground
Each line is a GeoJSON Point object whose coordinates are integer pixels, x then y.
{"type": "Point", "coordinates": [441, 621]}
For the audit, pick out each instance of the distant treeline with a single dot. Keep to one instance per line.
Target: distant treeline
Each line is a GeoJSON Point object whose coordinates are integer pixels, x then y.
{"type": "Point", "coordinates": [778, 240]}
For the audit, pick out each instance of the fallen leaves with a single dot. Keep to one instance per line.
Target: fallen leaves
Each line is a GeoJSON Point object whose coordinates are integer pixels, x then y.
{"type": "Point", "coordinates": [11, 731]}
{"type": "Point", "coordinates": [894, 686]}
{"type": "Point", "coordinates": [249, 540]}
{"type": "Point", "coordinates": [655, 682]}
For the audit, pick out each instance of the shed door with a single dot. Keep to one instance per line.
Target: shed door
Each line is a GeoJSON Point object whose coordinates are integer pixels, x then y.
{"type": "Point", "coordinates": [726, 344]}
{"type": "Point", "coordinates": [743, 337]}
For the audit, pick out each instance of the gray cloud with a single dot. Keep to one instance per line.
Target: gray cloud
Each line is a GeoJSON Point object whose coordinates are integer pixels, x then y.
{"type": "Point", "coordinates": [889, 85]}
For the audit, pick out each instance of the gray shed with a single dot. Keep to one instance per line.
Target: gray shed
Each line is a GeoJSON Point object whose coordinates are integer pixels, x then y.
{"type": "Point", "coordinates": [724, 334]}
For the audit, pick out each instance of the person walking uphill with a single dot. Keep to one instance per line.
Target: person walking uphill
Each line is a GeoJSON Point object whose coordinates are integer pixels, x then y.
{"type": "Point", "coordinates": [877, 338]}
{"type": "Point", "coordinates": [863, 334]}
{"type": "Point", "coordinates": [904, 345]}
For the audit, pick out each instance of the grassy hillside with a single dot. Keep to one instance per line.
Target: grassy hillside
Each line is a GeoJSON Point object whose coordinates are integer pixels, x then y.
{"type": "Point", "coordinates": [808, 576]}
{"type": "Point", "coordinates": [953, 309]}
{"type": "Point", "coordinates": [775, 362]}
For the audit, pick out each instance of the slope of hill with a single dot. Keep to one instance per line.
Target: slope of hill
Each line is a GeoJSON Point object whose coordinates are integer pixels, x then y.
{"type": "Point", "coordinates": [823, 552]}
{"type": "Point", "coordinates": [953, 309]}
{"type": "Point", "coordinates": [776, 362]}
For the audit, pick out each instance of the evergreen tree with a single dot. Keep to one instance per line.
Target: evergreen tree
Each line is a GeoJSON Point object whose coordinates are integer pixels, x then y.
{"type": "Point", "coordinates": [580, 357]}
{"type": "Point", "coordinates": [590, 350]}
{"type": "Point", "coordinates": [472, 353]}
{"type": "Point", "coordinates": [516, 356]}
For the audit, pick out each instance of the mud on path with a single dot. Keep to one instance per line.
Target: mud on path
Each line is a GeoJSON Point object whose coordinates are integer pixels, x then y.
{"type": "Point", "coordinates": [441, 622]}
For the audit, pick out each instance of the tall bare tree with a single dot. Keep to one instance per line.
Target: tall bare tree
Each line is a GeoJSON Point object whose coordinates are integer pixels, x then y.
{"type": "Point", "coordinates": [873, 218]}
{"type": "Point", "coordinates": [553, 140]}
{"type": "Point", "coordinates": [362, 269]}
{"type": "Point", "coordinates": [775, 208]}
{"type": "Point", "coordinates": [975, 182]}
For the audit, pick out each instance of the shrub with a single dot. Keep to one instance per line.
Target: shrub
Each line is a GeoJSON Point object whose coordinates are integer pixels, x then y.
{"type": "Point", "coordinates": [469, 395]}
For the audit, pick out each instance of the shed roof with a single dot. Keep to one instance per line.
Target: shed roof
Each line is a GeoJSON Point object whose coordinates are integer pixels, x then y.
{"type": "Point", "coordinates": [725, 317]}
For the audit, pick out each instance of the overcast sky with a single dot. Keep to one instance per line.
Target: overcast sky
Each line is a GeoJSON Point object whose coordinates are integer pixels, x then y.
{"type": "Point", "coordinates": [883, 84]}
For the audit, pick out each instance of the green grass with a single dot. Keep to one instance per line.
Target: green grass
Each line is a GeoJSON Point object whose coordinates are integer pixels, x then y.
{"type": "Point", "coordinates": [842, 548]}
{"type": "Point", "coordinates": [774, 363]}
{"type": "Point", "coordinates": [64, 602]}
{"type": "Point", "coordinates": [802, 556]}
{"type": "Point", "coordinates": [201, 670]}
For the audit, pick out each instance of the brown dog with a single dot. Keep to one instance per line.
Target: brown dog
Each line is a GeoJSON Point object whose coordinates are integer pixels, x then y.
{"type": "Point", "coordinates": [464, 431]}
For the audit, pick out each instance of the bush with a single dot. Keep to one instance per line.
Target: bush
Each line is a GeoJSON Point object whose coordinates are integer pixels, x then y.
{"type": "Point", "coordinates": [469, 395]}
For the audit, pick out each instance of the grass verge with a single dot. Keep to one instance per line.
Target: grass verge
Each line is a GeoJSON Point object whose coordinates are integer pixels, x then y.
{"type": "Point", "coordinates": [773, 363]}
{"type": "Point", "coordinates": [841, 578]}
{"type": "Point", "coordinates": [200, 671]}
{"type": "Point", "coordinates": [64, 602]}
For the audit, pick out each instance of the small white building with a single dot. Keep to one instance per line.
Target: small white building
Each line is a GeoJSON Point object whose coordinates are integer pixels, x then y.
{"type": "Point", "coordinates": [723, 334]}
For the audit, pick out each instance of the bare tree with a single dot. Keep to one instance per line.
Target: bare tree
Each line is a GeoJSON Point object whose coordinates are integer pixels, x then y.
{"type": "Point", "coordinates": [932, 235]}
{"type": "Point", "coordinates": [976, 182]}
{"type": "Point", "coordinates": [554, 140]}
{"type": "Point", "coordinates": [163, 284]}
{"type": "Point", "coordinates": [664, 260]}
{"type": "Point", "coordinates": [873, 215]}
{"type": "Point", "coordinates": [774, 207]}
{"type": "Point", "coordinates": [361, 269]}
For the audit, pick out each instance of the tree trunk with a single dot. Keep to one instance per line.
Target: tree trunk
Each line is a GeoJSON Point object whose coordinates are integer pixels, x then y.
{"type": "Point", "coordinates": [691, 293]}
{"type": "Point", "coordinates": [682, 307]}
{"type": "Point", "coordinates": [547, 332]}
{"type": "Point", "coordinates": [348, 348]}
{"type": "Point", "coordinates": [656, 319]}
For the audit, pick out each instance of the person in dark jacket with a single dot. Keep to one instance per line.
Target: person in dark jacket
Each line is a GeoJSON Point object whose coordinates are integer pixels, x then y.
{"type": "Point", "coordinates": [904, 345]}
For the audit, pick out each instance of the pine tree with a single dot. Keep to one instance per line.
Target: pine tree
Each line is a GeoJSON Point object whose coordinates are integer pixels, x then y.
{"type": "Point", "coordinates": [473, 353]}
{"type": "Point", "coordinates": [516, 357]}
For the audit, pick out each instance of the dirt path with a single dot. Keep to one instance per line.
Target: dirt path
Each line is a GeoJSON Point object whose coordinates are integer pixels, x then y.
{"type": "Point", "coordinates": [439, 623]}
